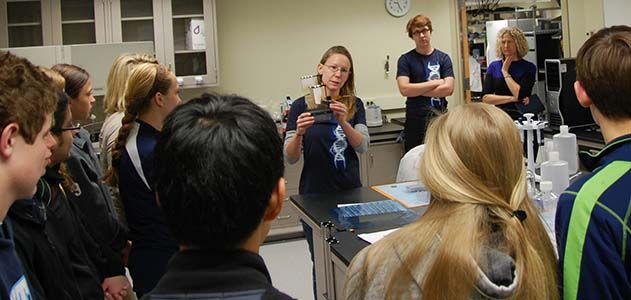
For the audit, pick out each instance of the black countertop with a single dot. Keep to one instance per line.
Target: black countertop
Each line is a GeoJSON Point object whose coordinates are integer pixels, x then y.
{"type": "Point", "coordinates": [319, 208]}
{"type": "Point", "coordinates": [385, 128]}
{"type": "Point", "coordinates": [400, 121]}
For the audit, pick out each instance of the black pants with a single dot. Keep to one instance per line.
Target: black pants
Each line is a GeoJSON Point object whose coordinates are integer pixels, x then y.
{"type": "Point", "coordinates": [416, 126]}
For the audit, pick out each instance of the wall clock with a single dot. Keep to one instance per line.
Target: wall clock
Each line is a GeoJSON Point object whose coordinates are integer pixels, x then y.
{"type": "Point", "coordinates": [398, 8]}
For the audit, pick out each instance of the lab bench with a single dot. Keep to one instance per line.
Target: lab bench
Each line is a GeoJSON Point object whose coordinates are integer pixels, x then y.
{"type": "Point", "coordinates": [333, 246]}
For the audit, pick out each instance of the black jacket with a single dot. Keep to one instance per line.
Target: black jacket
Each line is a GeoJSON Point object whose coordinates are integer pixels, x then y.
{"type": "Point", "coordinates": [204, 274]}
{"type": "Point", "coordinates": [90, 260]}
{"type": "Point", "coordinates": [48, 271]}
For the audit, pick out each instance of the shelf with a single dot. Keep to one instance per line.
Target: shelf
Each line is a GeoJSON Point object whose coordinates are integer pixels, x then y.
{"type": "Point", "coordinates": [149, 18]}
{"type": "Point", "coordinates": [24, 24]}
{"type": "Point", "coordinates": [15, 1]}
{"type": "Point", "coordinates": [190, 51]}
{"type": "Point", "coordinates": [188, 16]}
{"type": "Point", "coordinates": [86, 21]}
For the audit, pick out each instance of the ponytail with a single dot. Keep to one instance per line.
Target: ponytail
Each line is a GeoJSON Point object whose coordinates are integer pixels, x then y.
{"type": "Point", "coordinates": [145, 81]}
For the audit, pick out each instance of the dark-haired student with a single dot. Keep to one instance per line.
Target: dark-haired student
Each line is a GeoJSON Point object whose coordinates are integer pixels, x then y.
{"type": "Point", "coordinates": [62, 259]}
{"type": "Point", "coordinates": [229, 151]}
{"type": "Point", "coordinates": [95, 201]}
{"type": "Point", "coordinates": [27, 102]}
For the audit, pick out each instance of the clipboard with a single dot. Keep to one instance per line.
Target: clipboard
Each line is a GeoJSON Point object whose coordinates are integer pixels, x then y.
{"type": "Point", "coordinates": [410, 194]}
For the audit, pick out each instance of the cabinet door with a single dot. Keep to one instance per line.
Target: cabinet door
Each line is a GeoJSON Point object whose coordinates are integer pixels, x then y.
{"type": "Point", "coordinates": [190, 41]}
{"type": "Point", "coordinates": [382, 163]}
{"type": "Point", "coordinates": [24, 23]}
{"type": "Point", "coordinates": [136, 21]}
{"type": "Point", "coordinates": [78, 21]}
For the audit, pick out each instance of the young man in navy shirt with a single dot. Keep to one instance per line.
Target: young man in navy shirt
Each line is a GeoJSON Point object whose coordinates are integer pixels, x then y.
{"type": "Point", "coordinates": [425, 76]}
{"type": "Point", "coordinates": [27, 102]}
{"type": "Point", "coordinates": [219, 181]}
{"type": "Point", "coordinates": [592, 220]}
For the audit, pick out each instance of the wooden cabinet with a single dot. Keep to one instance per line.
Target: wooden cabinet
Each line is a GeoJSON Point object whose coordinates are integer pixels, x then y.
{"type": "Point", "coordinates": [183, 31]}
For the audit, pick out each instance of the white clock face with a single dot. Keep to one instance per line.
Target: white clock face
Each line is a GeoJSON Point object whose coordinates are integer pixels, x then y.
{"type": "Point", "coordinates": [398, 8]}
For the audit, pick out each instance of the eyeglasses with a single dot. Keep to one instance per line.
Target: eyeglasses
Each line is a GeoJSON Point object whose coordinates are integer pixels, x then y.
{"type": "Point", "coordinates": [73, 127]}
{"type": "Point", "coordinates": [424, 31]}
{"type": "Point", "coordinates": [334, 69]}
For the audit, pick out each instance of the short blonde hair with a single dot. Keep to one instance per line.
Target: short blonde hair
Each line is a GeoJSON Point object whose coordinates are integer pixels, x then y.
{"type": "Point", "coordinates": [114, 100]}
{"type": "Point", "coordinates": [518, 36]}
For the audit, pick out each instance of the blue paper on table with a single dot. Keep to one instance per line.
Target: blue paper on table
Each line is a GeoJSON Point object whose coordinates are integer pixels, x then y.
{"type": "Point", "coordinates": [383, 213]}
{"type": "Point", "coordinates": [371, 208]}
{"type": "Point", "coordinates": [410, 194]}
{"type": "Point", "coordinates": [534, 105]}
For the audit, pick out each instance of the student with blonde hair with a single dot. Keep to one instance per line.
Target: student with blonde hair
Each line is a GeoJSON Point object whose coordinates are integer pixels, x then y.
{"type": "Point", "coordinates": [114, 100]}
{"type": "Point", "coordinates": [114, 105]}
{"type": "Point", "coordinates": [151, 94]}
{"type": "Point", "coordinates": [480, 238]}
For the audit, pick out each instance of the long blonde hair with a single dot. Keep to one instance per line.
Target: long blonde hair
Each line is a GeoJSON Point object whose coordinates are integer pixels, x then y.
{"type": "Point", "coordinates": [145, 81]}
{"type": "Point", "coordinates": [473, 167]}
{"type": "Point", "coordinates": [114, 100]}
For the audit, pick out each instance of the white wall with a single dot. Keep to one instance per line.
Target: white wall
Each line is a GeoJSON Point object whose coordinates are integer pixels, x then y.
{"type": "Point", "coordinates": [616, 12]}
{"type": "Point", "coordinates": [583, 18]}
{"type": "Point", "coordinates": [265, 46]}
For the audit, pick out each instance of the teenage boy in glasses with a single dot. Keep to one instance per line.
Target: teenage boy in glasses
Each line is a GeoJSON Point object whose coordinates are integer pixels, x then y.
{"type": "Point", "coordinates": [425, 76]}
{"type": "Point", "coordinates": [27, 101]}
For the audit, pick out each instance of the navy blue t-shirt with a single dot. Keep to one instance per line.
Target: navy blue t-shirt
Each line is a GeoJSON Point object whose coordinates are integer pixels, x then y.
{"type": "Point", "coordinates": [522, 71]}
{"type": "Point", "coordinates": [13, 284]}
{"type": "Point", "coordinates": [421, 68]}
{"type": "Point", "coordinates": [330, 162]}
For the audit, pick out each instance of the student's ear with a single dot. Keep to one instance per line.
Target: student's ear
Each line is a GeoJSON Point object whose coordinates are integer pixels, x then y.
{"type": "Point", "coordinates": [276, 201]}
{"type": "Point", "coordinates": [158, 99]}
{"type": "Point", "coordinates": [7, 141]}
{"type": "Point", "coordinates": [320, 69]}
{"type": "Point", "coordinates": [583, 99]}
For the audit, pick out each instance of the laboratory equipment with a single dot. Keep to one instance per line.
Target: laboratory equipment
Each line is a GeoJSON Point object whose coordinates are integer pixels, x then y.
{"type": "Point", "coordinates": [565, 143]}
{"type": "Point", "coordinates": [563, 106]}
{"type": "Point", "coordinates": [373, 115]}
{"type": "Point", "coordinates": [556, 171]}
{"type": "Point", "coordinates": [531, 132]}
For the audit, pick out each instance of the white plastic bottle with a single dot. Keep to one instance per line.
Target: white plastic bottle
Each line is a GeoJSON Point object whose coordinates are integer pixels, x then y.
{"type": "Point", "coordinates": [556, 171]}
{"type": "Point", "coordinates": [565, 142]}
{"type": "Point", "coordinates": [547, 201]}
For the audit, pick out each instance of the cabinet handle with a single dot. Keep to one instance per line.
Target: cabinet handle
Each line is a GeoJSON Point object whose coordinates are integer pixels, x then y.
{"type": "Point", "coordinates": [283, 217]}
{"type": "Point", "coordinates": [372, 160]}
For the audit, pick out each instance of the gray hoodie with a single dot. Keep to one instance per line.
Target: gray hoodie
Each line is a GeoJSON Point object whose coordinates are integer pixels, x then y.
{"type": "Point", "coordinates": [497, 274]}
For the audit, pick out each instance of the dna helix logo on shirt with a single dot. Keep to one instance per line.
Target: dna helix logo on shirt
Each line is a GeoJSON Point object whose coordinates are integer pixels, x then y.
{"type": "Point", "coordinates": [434, 74]}
{"type": "Point", "coordinates": [339, 146]}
